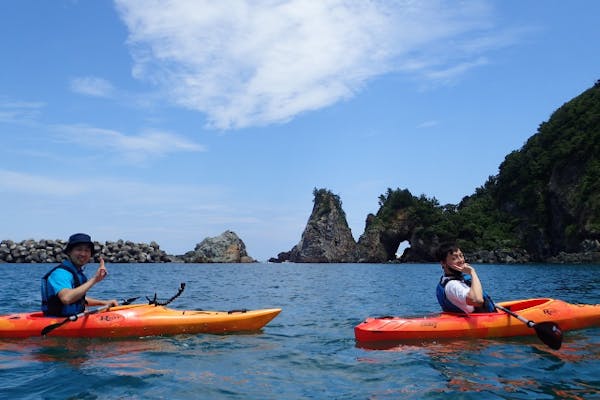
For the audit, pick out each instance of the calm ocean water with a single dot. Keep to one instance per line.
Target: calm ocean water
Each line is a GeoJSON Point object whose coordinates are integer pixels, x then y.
{"type": "Point", "coordinates": [308, 351]}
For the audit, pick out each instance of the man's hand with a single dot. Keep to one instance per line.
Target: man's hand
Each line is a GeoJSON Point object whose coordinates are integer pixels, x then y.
{"type": "Point", "coordinates": [465, 268]}
{"type": "Point", "coordinates": [101, 272]}
{"type": "Point", "coordinates": [112, 303]}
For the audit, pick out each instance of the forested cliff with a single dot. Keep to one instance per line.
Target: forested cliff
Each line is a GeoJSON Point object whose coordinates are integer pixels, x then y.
{"type": "Point", "coordinates": [543, 205]}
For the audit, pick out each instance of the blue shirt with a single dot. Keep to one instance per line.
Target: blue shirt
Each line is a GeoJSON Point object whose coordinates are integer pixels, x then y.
{"type": "Point", "coordinates": [60, 279]}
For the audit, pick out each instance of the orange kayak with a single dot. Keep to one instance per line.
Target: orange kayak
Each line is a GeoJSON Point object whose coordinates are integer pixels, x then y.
{"type": "Point", "coordinates": [451, 325]}
{"type": "Point", "coordinates": [137, 320]}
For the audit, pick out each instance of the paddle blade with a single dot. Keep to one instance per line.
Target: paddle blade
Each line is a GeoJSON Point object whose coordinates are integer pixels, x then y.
{"type": "Point", "coordinates": [52, 327]}
{"type": "Point", "coordinates": [129, 301]}
{"type": "Point", "coordinates": [550, 334]}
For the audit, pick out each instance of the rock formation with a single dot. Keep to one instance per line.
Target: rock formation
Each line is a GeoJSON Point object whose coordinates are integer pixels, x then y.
{"type": "Point", "coordinates": [225, 248]}
{"type": "Point", "coordinates": [382, 237]}
{"type": "Point", "coordinates": [399, 219]}
{"type": "Point", "coordinates": [327, 237]}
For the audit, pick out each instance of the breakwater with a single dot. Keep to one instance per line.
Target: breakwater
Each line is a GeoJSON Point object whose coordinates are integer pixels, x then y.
{"type": "Point", "coordinates": [51, 251]}
{"type": "Point", "coordinates": [225, 248]}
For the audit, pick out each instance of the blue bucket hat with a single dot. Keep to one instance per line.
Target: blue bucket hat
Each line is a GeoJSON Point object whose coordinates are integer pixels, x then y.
{"type": "Point", "coordinates": [79, 238]}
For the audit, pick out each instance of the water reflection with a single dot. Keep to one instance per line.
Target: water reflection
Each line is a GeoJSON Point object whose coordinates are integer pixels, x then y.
{"type": "Point", "coordinates": [122, 357]}
{"type": "Point", "coordinates": [492, 366]}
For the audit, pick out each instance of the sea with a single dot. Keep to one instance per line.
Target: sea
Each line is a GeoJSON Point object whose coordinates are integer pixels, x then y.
{"type": "Point", "coordinates": [308, 351]}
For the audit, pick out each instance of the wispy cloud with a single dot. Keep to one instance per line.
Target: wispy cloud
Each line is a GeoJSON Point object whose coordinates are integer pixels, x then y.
{"type": "Point", "coordinates": [452, 72]}
{"type": "Point", "coordinates": [258, 62]}
{"type": "Point", "coordinates": [135, 148]}
{"type": "Point", "coordinates": [427, 124]}
{"type": "Point", "coordinates": [92, 86]}
{"type": "Point", "coordinates": [113, 207]}
{"type": "Point", "coordinates": [19, 111]}
{"type": "Point", "coordinates": [98, 190]}
{"type": "Point", "coordinates": [20, 182]}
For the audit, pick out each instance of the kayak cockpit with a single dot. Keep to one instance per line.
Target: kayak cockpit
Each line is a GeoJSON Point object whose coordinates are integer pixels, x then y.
{"type": "Point", "coordinates": [518, 305]}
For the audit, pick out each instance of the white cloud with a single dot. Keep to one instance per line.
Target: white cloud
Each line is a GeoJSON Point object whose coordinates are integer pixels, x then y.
{"type": "Point", "coordinates": [247, 63]}
{"type": "Point", "coordinates": [92, 86]}
{"type": "Point", "coordinates": [18, 182]}
{"type": "Point", "coordinates": [452, 72]}
{"type": "Point", "coordinates": [19, 111]}
{"type": "Point", "coordinates": [98, 190]}
{"type": "Point", "coordinates": [135, 148]}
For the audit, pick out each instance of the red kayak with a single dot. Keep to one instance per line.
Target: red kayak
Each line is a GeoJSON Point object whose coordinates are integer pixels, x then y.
{"type": "Point", "coordinates": [485, 325]}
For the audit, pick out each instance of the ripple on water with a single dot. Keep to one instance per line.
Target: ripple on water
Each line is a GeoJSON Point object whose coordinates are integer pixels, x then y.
{"type": "Point", "coordinates": [308, 351]}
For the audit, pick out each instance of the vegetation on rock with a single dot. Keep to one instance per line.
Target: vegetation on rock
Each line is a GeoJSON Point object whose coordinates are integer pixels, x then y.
{"type": "Point", "coordinates": [544, 200]}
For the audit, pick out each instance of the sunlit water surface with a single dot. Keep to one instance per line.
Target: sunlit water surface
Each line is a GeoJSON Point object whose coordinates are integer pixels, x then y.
{"type": "Point", "coordinates": [308, 351]}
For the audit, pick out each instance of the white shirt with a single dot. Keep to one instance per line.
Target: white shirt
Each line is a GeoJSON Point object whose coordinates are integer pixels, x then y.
{"type": "Point", "coordinates": [456, 292]}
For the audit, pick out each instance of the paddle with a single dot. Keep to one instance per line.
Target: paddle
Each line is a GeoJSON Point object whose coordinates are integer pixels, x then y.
{"type": "Point", "coordinates": [548, 332]}
{"type": "Point", "coordinates": [52, 327]}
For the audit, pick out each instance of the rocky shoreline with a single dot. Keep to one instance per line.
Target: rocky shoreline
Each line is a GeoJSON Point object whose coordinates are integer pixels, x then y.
{"type": "Point", "coordinates": [327, 239]}
{"type": "Point", "coordinates": [225, 248]}
{"type": "Point", "coordinates": [520, 256]}
{"type": "Point", "coordinates": [229, 248]}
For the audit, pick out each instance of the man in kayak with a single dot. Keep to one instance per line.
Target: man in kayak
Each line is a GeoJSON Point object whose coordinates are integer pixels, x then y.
{"type": "Point", "coordinates": [64, 288]}
{"type": "Point", "coordinates": [456, 291]}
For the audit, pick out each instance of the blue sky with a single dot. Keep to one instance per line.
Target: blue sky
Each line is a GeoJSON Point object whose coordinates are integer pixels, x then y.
{"type": "Point", "coordinates": [174, 121]}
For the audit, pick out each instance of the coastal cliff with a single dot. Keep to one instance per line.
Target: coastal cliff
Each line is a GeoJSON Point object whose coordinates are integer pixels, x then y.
{"type": "Point", "coordinates": [551, 187]}
{"type": "Point", "coordinates": [542, 206]}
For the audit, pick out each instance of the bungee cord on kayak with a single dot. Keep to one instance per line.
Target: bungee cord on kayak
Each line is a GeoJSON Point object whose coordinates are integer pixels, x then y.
{"type": "Point", "coordinates": [75, 317]}
{"type": "Point", "coordinates": [154, 301]}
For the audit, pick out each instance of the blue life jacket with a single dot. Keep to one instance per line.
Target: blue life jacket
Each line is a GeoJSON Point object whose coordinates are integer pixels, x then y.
{"type": "Point", "coordinates": [51, 304]}
{"type": "Point", "coordinates": [448, 306]}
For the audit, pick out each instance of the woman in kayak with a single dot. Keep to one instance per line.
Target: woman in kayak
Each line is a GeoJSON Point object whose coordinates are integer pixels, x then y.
{"type": "Point", "coordinates": [456, 291]}
{"type": "Point", "coordinates": [64, 288]}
